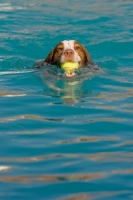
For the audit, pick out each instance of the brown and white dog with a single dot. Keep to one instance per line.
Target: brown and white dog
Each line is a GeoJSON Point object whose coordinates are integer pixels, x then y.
{"type": "Point", "coordinates": [68, 50]}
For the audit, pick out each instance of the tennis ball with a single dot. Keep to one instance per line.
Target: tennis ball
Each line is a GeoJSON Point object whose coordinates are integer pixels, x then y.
{"type": "Point", "coordinates": [70, 66]}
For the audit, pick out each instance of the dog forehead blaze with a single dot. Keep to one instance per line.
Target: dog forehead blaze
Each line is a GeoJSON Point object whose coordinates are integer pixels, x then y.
{"type": "Point", "coordinates": [68, 44]}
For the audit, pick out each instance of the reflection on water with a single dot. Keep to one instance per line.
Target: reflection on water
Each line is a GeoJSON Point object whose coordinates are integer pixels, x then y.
{"type": "Point", "coordinates": [88, 139]}
{"type": "Point", "coordinates": [5, 168]}
{"type": "Point", "coordinates": [28, 132]}
{"type": "Point", "coordinates": [50, 178]}
{"type": "Point", "coordinates": [95, 157]}
{"type": "Point", "coordinates": [96, 195]}
{"type": "Point", "coordinates": [33, 117]}
{"type": "Point", "coordinates": [69, 89]}
{"type": "Point", "coordinates": [67, 139]}
{"type": "Point", "coordinates": [104, 119]}
{"type": "Point", "coordinates": [78, 197]}
{"type": "Point", "coordinates": [11, 93]}
{"type": "Point", "coordinates": [125, 143]}
{"type": "Point", "coordinates": [61, 178]}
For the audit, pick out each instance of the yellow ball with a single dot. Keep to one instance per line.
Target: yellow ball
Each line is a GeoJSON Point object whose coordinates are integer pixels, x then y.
{"type": "Point", "coordinates": [69, 66]}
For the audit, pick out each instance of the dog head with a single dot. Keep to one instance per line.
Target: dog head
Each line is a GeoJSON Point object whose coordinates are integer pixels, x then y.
{"type": "Point", "coordinates": [68, 50]}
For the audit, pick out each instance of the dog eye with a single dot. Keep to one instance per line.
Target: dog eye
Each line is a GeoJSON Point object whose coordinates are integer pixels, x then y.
{"type": "Point", "coordinates": [77, 47]}
{"type": "Point", "coordinates": [60, 48]}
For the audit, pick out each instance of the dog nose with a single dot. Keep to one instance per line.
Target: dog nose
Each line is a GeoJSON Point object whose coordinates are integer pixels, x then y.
{"type": "Point", "coordinates": [69, 52]}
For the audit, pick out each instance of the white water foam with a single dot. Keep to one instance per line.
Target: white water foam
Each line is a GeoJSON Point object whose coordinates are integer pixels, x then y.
{"type": "Point", "coordinates": [15, 72]}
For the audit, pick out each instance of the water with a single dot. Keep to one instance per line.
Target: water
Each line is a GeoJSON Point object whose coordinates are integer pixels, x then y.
{"type": "Point", "coordinates": [66, 139]}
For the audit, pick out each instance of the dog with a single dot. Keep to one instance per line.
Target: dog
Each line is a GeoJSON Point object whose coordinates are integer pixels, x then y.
{"type": "Point", "coordinates": [68, 50]}
{"type": "Point", "coordinates": [65, 51]}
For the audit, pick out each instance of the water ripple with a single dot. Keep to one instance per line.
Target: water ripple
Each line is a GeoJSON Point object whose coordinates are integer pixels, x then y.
{"type": "Point", "coordinates": [51, 178]}
{"type": "Point", "coordinates": [88, 139]}
{"type": "Point", "coordinates": [31, 117]}
{"type": "Point", "coordinates": [5, 168]}
{"type": "Point", "coordinates": [61, 178]}
{"type": "Point", "coordinates": [68, 139]}
{"type": "Point", "coordinates": [95, 157]}
{"type": "Point", "coordinates": [96, 195]}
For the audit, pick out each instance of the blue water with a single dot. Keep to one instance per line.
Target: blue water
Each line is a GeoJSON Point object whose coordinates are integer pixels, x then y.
{"type": "Point", "coordinates": [66, 139]}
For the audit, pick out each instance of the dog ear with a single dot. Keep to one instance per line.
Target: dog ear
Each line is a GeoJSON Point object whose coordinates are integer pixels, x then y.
{"type": "Point", "coordinates": [87, 55]}
{"type": "Point", "coordinates": [49, 58]}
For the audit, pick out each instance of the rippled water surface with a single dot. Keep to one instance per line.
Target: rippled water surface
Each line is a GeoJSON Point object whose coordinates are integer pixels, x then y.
{"type": "Point", "coordinates": [66, 139]}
